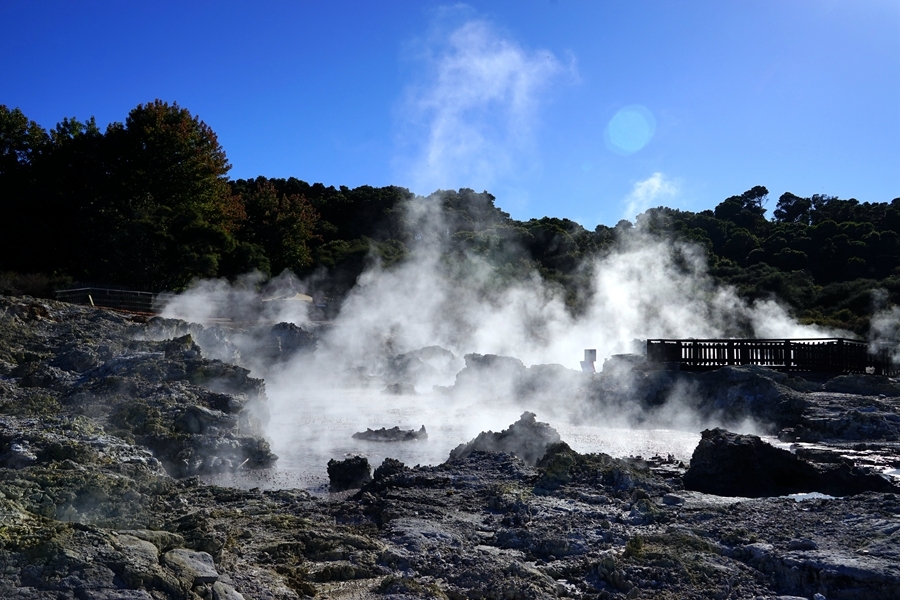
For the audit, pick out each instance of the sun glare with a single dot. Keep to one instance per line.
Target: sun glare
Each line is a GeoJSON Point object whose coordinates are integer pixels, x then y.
{"type": "Point", "coordinates": [630, 129]}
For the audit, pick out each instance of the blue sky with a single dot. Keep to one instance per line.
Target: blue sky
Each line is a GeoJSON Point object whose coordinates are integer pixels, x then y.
{"type": "Point", "coordinates": [590, 110]}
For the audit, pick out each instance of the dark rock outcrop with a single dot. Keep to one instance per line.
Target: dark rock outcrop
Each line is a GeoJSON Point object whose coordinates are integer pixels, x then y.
{"type": "Point", "coordinates": [527, 438]}
{"type": "Point", "coordinates": [394, 434]}
{"type": "Point", "coordinates": [348, 474]}
{"type": "Point", "coordinates": [730, 464]}
{"type": "Point", "coordinates": [197, 416]}
{"type": "Point", "coordinates": [286, 340]}
{"type": "Point", "coordinates": [867, 385]}
{"type": "Point", "coordinates": [388, 468]}
{"type": "Point", "coordinates": [490, 374]}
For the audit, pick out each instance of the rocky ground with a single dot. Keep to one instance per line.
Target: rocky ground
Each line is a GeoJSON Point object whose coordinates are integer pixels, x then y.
{"type": "Point", "coordinates": [106, 420]}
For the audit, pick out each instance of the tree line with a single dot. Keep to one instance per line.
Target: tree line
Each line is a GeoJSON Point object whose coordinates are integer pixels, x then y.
{"type": "Point", "coordinates": [148, 204]}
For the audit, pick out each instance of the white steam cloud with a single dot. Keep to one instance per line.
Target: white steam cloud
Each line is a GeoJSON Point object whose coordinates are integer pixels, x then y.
{"type": "Point", "coordinates": [472, 118]}
{"type": "Point", "coordinates": [647, 288]}
{"type": "Point", "coordinates": [650, 192]}
{"type": "Point", "coordinates": [885, 329]}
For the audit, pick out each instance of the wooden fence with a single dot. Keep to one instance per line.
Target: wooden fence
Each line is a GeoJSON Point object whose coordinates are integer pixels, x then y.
{"type": "Point", "coordinates": [114, 298]}
{"type": "Point", "coordinates": [816, 355]}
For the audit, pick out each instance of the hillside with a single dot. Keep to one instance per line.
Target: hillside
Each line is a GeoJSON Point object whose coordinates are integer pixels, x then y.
{"type": "Point", "coordinates": [147, 204]}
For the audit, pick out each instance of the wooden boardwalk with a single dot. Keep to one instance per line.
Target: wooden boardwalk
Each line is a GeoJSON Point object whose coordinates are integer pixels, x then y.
{"type": "Point", "coordinates": [811, 355]}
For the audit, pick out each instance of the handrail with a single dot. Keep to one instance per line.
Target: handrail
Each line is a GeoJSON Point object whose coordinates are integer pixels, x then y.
{"type": "Point", "coordinates": [113, 298]}
{"type": "Point", "coordinates": [826, 355]}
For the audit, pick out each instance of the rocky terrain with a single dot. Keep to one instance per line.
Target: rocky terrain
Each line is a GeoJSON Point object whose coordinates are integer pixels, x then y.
{"type": "Point", "coordinates": [107, 419]}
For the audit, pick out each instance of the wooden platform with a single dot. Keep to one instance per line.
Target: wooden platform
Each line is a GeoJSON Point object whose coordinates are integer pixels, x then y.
{"type": "Point", "coordinates": [812, 355]}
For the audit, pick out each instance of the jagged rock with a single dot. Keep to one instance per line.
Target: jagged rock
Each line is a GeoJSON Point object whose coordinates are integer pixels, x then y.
{"type": "Point", "coordinates": [17, 455]}
{"type": "Point", "coordinates": [394, 434]}
{"type": "Point", "coordinates": [182, 347]}
{"type": "Point", "coordinates": [526, 438]}
{"type": "Point", "coordinates": [93, 514]}
{"type": "Point", "coordinates": [77, 360]}
{"type": "Point", "coordinates": [730, 464]}
{"type": "Point", "coordinates": [140, 556]}
{"type": "Point", "coordinates": [389, 467]}
{"type": "Point", "coordinates": [285, 340]}
{"type": "Point", "coordinates": [351, 473]}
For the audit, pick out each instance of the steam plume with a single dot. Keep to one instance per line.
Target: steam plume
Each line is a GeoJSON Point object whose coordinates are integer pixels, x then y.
{"type": "Point", "coordinates": [472, 115]}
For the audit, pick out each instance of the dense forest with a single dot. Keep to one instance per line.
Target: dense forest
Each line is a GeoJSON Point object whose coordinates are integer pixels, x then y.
{"type": "Point", "coordinates": [148, 204]}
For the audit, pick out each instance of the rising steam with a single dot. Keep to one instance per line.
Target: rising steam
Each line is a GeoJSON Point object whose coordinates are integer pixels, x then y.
{"type": "Point", "coordinates": [470, 118]}
{"type": "Point", "coordinates": [472, 111]}
{"type": "Point", "coordinates": [648, 287]}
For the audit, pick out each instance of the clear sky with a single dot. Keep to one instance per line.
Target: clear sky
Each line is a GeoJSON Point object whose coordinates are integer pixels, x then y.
{"type": "Point", "coordinates": [591, 110]}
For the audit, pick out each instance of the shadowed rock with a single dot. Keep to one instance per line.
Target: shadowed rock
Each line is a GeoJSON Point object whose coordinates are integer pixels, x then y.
{"type": "Point", "coordinates": [349, 474]}
{"type": "Point", "coordinates": [868, 385]}
{"type": "Point", "coordinates": [730, 464]}
{"type": "Point", "coordinates": [389, 467]}
{"type": "Point", "coordinates": [394, 434]}
{"type": "Point", "coordinates": [526, 438]}
{"type": "Point", "coordinates": [285, 340]}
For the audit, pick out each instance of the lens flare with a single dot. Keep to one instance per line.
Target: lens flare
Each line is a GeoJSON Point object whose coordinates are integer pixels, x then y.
{"type": "Point", "coordinates": [630, 129]}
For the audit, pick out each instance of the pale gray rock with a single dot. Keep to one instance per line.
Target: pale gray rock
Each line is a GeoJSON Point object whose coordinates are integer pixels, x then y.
{"type": "Point", "coordinates": [224, 591]}
{"type": "Point", "coordinates": [141, 553]}
{"type": "Point", "coordinates": [195, 567]}
{"type": "Point", "coordinates": [162, 540]}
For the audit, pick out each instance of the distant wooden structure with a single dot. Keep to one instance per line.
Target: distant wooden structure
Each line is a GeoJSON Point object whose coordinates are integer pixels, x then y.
{"type": "Point", "coordinates": [810, 355]}
{"type": "Point", "coordinates": [129, 300]}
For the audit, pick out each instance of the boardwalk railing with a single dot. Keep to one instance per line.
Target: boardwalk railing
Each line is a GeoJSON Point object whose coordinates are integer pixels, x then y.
{"type": "Point", "coordinates": [819, 355]}
{"type": "Point", "coordinates": [113, 298]}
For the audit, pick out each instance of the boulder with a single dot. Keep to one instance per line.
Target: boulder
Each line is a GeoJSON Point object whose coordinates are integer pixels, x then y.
{"type": "Point", "coordinates": [731, 464]}
{"type": "Point", "coordinates": [182, 347]}
{"type": "Point", "coordinates": [224, 591]}
{"type": "Point", "coordinates": [17, 455]}
{"type": "Point", "coordinates": [194, 568]}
